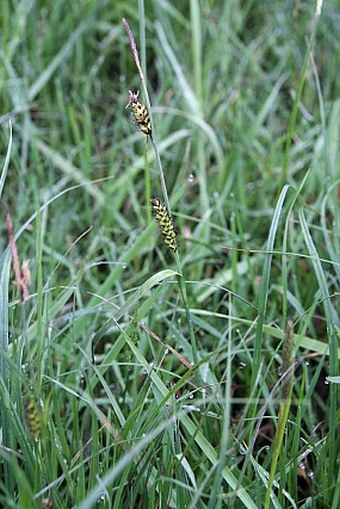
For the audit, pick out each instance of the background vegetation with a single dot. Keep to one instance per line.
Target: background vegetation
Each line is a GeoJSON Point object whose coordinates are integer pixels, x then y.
{"type": "Point", "coordinates": [107, 399]}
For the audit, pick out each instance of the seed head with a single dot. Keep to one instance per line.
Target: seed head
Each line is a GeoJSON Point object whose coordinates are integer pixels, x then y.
{"type": "Point", "coordinates": [288, 359]}
{"type": "Point", "coordinates": [33, 415]}
{"type": "Point", "coordinates": [165, 222]}
{"type": "Point", "coordinates": [140, 113]}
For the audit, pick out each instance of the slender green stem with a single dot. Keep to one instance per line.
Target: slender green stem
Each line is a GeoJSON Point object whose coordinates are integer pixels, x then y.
{"type": "Point", "coordinates": [147, 183]}
{"type": "Point", "coordinates": [287, 386]}
{"type": "Point", "coordinates": [283, 416]}
{"type": "Point", "coordinates": [40, 337]}
{"type": "Point", "coordinates": [161, 176]}
{"type": "Point", "coordinates": [182, 287]}
{"type": "Point", "coordinates": [181, 280]}
{"type": "Point", "coordinates": [142, 45]}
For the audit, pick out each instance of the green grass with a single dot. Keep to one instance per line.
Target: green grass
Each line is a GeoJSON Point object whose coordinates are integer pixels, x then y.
{"type": "Point", "coordinates": [157, 379]}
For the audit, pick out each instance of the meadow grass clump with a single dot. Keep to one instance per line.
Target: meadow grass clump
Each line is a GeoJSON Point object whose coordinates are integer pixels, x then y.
{"type": "Point", "coordinates": [202, 378]}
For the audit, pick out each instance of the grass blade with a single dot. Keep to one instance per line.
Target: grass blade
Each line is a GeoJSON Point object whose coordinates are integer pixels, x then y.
{"type": "Point", "coordinates": [7, 158]}
{"type": "Point", "coordinates": [265, 284]}
{"type": "Point", "coordinates": [333, 322]}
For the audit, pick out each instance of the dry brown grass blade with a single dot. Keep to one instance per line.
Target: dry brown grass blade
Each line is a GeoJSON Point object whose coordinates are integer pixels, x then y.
{"type": "Point", "coordinates": [172, 350]}
{"type": "Point", "coordinates": [22, 275]}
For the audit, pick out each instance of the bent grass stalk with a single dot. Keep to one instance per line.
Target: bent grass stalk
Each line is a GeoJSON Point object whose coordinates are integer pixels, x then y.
{"type": "Point", "coordinates": [180, 277]}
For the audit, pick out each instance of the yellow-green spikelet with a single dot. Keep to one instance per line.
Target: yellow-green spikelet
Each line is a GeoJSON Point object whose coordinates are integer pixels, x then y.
{"type": "Point", "coordinates": [33, 415]}
{"type": "Point", "coordinates": [140, 113]}
{"type": "Point", "coordinates": [165, 222]}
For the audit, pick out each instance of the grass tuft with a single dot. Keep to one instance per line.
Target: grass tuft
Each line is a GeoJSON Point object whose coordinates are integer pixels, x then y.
{"type": "Point", "coordinates": [203, 373]}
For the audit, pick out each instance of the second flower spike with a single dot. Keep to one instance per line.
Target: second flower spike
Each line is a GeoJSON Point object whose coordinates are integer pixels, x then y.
{"type": "Point", "coordinates": [165, 222]}
{"type": "Point", "coordinates": [140, 113]}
